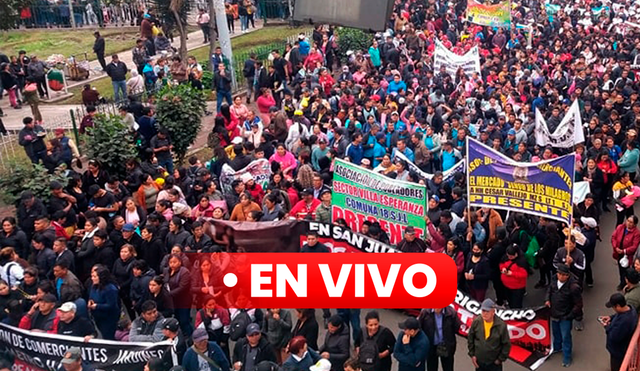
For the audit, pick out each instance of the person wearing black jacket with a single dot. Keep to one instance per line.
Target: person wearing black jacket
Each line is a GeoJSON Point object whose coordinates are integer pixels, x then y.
{"type": "Point", "coordinates": [336, 343]}
{"type": "Point", "coordinates": [564, 297]}
{"type": "Point", "coordinates": [141, 276]}
{"type": "Point", "coordinates": [222, 85]}
{"type": "Point", "coordinates": [98, 49]}
{"type": "Point", "coordinates": [385, 342]}
{"type": "Point", "coordinates": [12, 236]}
{"type": "Point", "coordinates": [307, 327]}
{"type": "Point", "coordinates": [31, 138]}
{"type": "Point", "coordinates": [71, 324]}
{"type": "Point", "coordinates": [117, 70]}
{"type": "Point", "coordinates": [252, 349]}
{"type": "Point", "coordinates": [441, 326]}
{"type": "Point", "coordinates": [123, 273]}
{"type": "Point", "coordinates": [172, 333]}
{"type": "Point", "coordinates": [249, 73]}
{"type": "Point", "coordinates": [160, 295]}
{"type": "Point", "coordinates": [477, 273]}
{"type": "Point", "coordinates": [63, 255]}
{"type": "Point", "coordinates": [495, 255]}
{"type": "Point", "coordinates": [152, 249]}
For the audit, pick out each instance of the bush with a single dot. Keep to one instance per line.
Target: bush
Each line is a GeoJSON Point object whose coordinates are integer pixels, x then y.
{"type": "Point", "coordinates": [180, 109]}
{"type": "Point", "coordinates": [111, 143]}
{"type": "Point", "coordinates": [34, 178]}
{"type": "Point", "coordinates": [352, 39]}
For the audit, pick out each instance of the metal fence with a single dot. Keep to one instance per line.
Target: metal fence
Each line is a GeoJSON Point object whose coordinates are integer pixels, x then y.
{"type": "Point", "coordinates": [44, 14]}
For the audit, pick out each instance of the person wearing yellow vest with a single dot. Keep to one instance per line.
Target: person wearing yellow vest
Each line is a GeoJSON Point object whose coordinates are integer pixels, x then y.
{"type": "Point", "coordinates": [488, 339]}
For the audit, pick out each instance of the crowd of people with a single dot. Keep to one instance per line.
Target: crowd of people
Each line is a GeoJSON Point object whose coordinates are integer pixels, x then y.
{"type": "Point", "coordinates": [120, 250]}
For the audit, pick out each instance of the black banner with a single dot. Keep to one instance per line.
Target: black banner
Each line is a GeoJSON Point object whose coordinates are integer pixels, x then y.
{"type": "Point", "coordinates": [35, 351]}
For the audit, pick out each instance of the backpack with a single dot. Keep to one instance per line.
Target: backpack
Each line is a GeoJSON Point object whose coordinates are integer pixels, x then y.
{"type": "Point", "coordinates": [533, 247]}
{"type": "Point", "coordinates": [238, 326]}
{"type": "Point", "coordinates": [368, 353]}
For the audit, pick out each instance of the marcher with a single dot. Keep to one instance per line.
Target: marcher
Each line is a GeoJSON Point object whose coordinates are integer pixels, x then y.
{"type": "Point", "coordinates": [488, 339]}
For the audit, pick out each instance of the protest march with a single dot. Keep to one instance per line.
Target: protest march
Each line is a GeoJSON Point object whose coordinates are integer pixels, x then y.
{"type": "Point", "coordinates": [500, 134]}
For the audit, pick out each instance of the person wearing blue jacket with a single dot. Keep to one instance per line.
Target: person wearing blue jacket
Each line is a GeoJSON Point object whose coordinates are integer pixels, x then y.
{"type": "Point", "coordinates": [104, 302]}
{"type": "Point", "coordinates": [629, 160]}
{"type": "Point", "coordinates": [204, 352]}
{"type": "Point", "coordinates": [412, 346]}
{"type": "Point", "coordinates": [396, 85]}
{"type": "Point", "coordinates": [354, 151]}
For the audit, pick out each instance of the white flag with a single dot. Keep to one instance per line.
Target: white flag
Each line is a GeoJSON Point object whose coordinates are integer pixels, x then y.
{"type": "Point", "coordinates": [567, 134]}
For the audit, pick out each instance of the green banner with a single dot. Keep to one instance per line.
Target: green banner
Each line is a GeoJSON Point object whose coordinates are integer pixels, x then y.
{"type": "Point", "coordinates": [360, 194]}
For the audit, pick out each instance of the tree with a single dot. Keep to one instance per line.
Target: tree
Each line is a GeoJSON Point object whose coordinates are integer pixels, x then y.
{"type": "Point", "coordinates": [28, 177]}
{"type": "Point", "coordinates": [179, 110]}
{"type": "Point", "coordinates": [352, 39]}
{"type": "Point", "coordinates": [111, 143]}
{"type": "Point", "coordinates": [173, 14]}
{"type": "Point", "coordinates": [10, 12]}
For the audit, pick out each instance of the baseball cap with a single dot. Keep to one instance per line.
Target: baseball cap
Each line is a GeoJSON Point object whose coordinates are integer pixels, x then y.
{"type": "Point", "coordinates": [171, 324]}
{"type": "Point", "coordinates": [68, 307]}
{"type": "Point", "coordinates": [487, 305]}
{"type": "Point", "coordinates": [73, 354]}
{"type": "Point", "coordinates": [58, 131]}
{"type": "Point", "coordinates": [563, 268]}
{"type": "Point", "coordinates": [410, 323]}
{"type": "Point", "coordinates": [128, 228]}
{"type": "Point", "coordinates": [321, 365]}
{"type": "Point", "coordinates": [589, 222]}
{"type": "Point", "coordinates": [435, 198]}
{"type": "Point", "coordinates": [394, 113]}
{"type": "Point", "coordinates": [380, 135]}
{"type": "Point", "coordinates": [410, 230]}
{"type": "Point", "coordinates": [199, 335]}
{"type": "Point", "coordinates": [298, 112]}
{"type": "Point", "coordinates": [253, 329]}
{"type": "Point", "coordinates": [511, 132]}
{"type": "Point", "coordinates": [616, 299]}
{"type": "Point", "coordinates": [306, 192]}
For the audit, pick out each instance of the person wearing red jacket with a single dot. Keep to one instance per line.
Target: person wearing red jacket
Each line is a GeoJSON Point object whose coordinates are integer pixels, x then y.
{"type": "Point", "coordinates": [42, 316]}
{"type": "Point", "coordinates": [624, 242]}
{"type": "Point", "coordinates": [306, 207]}
{"type": "Point", "coordinates": [514, 274]}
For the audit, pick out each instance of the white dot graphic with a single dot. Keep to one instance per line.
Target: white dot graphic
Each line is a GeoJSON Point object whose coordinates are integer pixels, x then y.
{"type": "Point", "coordinates": [230, 280]}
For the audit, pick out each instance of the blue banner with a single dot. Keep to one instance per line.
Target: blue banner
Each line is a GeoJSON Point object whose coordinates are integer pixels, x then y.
{"type": "Point", "coordinates": [543, 188]}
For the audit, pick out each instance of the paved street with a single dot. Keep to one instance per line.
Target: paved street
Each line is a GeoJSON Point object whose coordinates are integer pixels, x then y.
{"type": "Point", "coordinates": [589, 351]}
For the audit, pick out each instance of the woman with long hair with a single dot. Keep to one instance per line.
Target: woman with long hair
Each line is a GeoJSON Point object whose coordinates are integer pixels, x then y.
{"type": "Point", "coordinates": [179, 283]}
{"type": "Point", "coordinates": [12, 236]}
{"type": "Point", "coordinates": [103, 302]}
{"type": "Point", "coordinates": [123, 274]}
{"type": "Point", "coordinates": [454, 250]}
{"type": "Point", "coordinates": [306, 326]}
{"type": "Point", "coordinates": [157, 291]}
{"type": "Point", "coordinates": [623, 184]}
{"type": "Point", "coordinates": [231, 122]}
{"type": "Point", "coordinates": [203, 281]}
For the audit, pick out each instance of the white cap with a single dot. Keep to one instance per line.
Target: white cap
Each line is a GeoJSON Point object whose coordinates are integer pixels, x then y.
{"type": "Point", "coordinates": [321, 365]}
{"type": "Point", "coordinates": [68, 307]}
{"type": "Point", "coordinates": [589, 222]}
{"type": "Point", "coordinates": [246, 177]}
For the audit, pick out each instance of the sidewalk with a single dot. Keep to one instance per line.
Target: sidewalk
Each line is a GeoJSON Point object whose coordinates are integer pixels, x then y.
{"type": "Point", "coordinates": [51, 112]}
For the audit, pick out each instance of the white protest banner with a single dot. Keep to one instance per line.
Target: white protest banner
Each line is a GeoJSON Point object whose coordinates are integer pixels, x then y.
{"type": "Point", "coordinates": [580, 191]}
{"type": "Point", "coordinates": [568, 133]}
{"type": "Point", "coordinates": [446, 176]}
{"type": "Point", "coordinates": [260, 171]}
{"type": "Point", "coordinates": [470, 62]}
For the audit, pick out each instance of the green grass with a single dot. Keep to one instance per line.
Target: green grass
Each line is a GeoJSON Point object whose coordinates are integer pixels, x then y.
{"type": "Point", "coordinates": [68, 42]}
{"type": "Point", "coordinates": [241, 45]}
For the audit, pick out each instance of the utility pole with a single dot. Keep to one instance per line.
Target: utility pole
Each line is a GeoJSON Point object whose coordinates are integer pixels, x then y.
{"type": "Point", "coordinates": [224, 38]}
{"type": "Point", "coordinates": [72, 16]}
